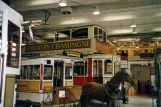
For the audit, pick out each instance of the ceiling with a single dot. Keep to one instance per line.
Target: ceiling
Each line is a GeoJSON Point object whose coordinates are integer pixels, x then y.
{"type": "Point", "coordinates": [115, 16]}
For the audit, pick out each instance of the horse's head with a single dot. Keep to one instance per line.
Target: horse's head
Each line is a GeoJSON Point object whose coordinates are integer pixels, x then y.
{"type": "Point", "coordinates": [125, 76]}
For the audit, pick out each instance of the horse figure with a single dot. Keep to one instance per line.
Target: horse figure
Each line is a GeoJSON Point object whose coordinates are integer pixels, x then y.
{"type": "Point", "coordinates": [104, 92]}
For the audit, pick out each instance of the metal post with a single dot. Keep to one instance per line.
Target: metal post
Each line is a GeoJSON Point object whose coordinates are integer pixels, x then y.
{"type": "Point", "coordinates": [124, 99]}
{"type": "Point", "coordinates": [152, 92]}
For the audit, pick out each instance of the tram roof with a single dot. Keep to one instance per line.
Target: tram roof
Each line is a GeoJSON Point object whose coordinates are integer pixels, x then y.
{"type": "Point", "coordinates": [68, 28]}
{"type": "Point", "coordinates": [56, 57]}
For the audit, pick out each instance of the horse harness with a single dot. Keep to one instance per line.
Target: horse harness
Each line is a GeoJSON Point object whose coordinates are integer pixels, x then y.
{"type": "Point", "coordinates": [111, 91]}
{"type": "Point", "coordinates": [106, 90]}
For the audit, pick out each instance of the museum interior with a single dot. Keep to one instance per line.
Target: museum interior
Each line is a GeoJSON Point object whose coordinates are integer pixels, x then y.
{"type": "Point", "coordinates": [80, 53]}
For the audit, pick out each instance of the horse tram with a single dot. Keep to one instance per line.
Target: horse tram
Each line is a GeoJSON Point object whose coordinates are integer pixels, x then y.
{"type": "Point", "coordinates": [53, 73]}
{"type": "Point", "coordinates": [10, 53]}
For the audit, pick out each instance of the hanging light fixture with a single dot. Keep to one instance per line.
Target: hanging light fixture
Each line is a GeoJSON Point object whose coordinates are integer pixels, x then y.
{"type": "Point", "coordinates": [134, 31]}
{"type": "Point", "coordinates": [115, 40]}
{"type": "Point", "coordinates": [63, 3]}
{"type": "Point", "coordinates": [96, 12]}
{"type": "Point", "coordinates": [133, 25]}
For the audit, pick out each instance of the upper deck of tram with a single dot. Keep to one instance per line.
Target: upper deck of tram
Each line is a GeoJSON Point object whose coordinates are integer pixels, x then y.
{"type": "Point", "coordinates": [81, 32]}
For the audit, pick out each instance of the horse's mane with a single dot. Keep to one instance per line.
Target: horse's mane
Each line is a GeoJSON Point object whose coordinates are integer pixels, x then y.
{"type": "Point", "coordinates": [115, 77]}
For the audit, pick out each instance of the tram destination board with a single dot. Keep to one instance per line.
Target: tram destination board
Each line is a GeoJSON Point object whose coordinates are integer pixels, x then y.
{"type": "Point", "coordinates": [59, 45]}
{"type": "Point", "coordinates": [72, 53]}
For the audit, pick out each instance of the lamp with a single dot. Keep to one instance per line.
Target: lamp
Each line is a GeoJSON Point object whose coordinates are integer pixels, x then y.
{"type": "Point", "coordinates": [115, 40]}
{"type": "Point", "coordinates": [96, 12]}
{"type": "Point", "coordinates": [134, 31]}
{"type": "Point", "coordinates": [63, 3]}
{"type": "Point", "coordinates": [133, 25]}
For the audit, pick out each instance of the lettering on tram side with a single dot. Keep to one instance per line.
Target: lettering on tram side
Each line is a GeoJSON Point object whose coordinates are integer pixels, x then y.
{"type": "Point", "coordinates": [59, 45]}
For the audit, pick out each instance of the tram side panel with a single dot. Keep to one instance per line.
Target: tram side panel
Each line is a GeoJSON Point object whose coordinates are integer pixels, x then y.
{"type": "Point", "coordinates": [80, 80]}
{"type": "Point", "coordinates": [100, 69]}
{"type": "Point", "coordinates": [34, 80]}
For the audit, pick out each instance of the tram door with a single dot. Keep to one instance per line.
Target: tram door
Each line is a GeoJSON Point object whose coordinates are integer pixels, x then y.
{"type": "Point", "coordinates": [100, 77]}
{"type": "Point", "coordinates": [9, 90]}
{"type": "Point", "coordinates": [58, 80]}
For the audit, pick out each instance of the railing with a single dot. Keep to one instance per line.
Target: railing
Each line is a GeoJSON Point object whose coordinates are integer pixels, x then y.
{"type": "Point", "coordinates": [48, 91]}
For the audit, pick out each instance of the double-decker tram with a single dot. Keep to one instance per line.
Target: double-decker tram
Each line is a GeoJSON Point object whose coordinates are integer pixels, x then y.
{"type": "Point", "coordinates": [10, 53]}
{"type": "Point", "coordinates": [55, 71]}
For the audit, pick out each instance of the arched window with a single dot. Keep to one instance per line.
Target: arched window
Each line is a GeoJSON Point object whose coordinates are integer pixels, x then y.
{"type": "Point", "coordinates": [95, 70]}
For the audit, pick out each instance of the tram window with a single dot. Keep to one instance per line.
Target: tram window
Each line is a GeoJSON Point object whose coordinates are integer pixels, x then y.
{"type": "Point", "coordinates": [23, 71]}
{"type": "Point", "coordinates": [108, 66]}
{"type": "Point", "coordinates": [36, 72]}
{"type": "Point", "coordinates": [48, 69]}
{"type": "Point", "coordinates": [68, 72]}
{"type": "Point", "coordinates": [95, 31]}
{"type": "Point", "coordinates": [13, 45]}
{"type": "Point", "coordinates": [80, 33]}
{"type": "Point", "coordinates": [80, 68]}
{"type": "Point", "coordinates": [29, 71]}
{"type": "Point", "coordinates": [100, 32]}
{"type": "Point", "coordinates": [100, 37]}
{"type": "Point", "coordinates": [62, 36]}
{"type": "Point", "coordinates": [95, 71]}
{"type": "Point", "coordinates": [104, 36]}
{"type": "Point", "coordinates": [58, 68]}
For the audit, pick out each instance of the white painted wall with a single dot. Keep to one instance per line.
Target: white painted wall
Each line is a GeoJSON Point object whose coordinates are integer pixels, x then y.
{"type": "Point", "coordinates": [35, 97]}
{"type": "Point", "coordinates": [16, 18]}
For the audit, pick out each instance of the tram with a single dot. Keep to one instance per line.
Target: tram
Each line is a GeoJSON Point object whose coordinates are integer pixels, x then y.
{"type": "Point", "coordinates": [81, 55]}
{"type": "Point", "coordinates": [41, 74]}
{"type": "Point", "coordinates": [10, 53]}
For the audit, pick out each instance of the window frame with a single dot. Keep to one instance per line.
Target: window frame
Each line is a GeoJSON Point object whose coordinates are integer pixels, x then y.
{"type": "Point", "coordinates": [10, 38]}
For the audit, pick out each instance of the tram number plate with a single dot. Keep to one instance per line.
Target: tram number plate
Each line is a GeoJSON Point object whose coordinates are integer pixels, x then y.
{"type": "Point", "coordinates": [61, 93]}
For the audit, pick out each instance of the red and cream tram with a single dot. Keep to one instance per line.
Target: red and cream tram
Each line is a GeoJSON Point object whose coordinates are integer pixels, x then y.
{"type": "Point", "coordinates": [57, 64]}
